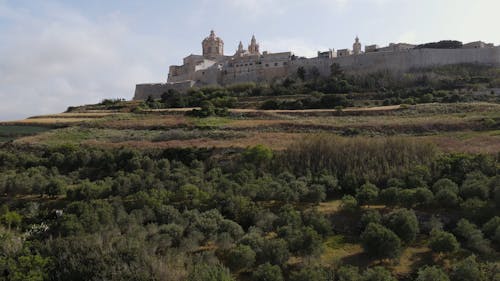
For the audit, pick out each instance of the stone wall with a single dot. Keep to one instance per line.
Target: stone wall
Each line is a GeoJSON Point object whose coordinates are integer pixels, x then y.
{"type": "Point", "coordinates": [142, 91]}
{"type": "Point", "coordinates": [273, 66]}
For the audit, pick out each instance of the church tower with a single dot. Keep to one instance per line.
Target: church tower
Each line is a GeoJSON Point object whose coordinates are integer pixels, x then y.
{"type": "Point", "coordinates": [356, 47]}
{"type": "Point", "coordinates": [240, 50]}
{"type": "Point", "coordinates": [213, 46]}
{"type": "Point", "coordinates": [253, 48]}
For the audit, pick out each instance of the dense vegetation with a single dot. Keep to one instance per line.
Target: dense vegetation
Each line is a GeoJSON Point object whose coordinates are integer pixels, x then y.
{"type": "Point", "coordinates": [82, 213]}
{"type": "Point", "coordinates": [309, 90]}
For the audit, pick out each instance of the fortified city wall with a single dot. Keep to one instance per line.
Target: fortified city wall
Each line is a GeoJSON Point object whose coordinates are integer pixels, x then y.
{"type": "Point", "coordinates": [215, 68]}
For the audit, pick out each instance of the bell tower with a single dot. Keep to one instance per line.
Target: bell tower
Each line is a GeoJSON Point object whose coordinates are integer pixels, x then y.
{"type": "Point", "coordinates": [213, 46]}
{"type": "Point", "coordinates": [356, 47]}
{"type": "Point", "coordinates": [253, 48]}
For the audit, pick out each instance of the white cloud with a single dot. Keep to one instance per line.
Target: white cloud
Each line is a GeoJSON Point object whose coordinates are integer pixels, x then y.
{"type": "Point", "coordinates": [297, 45]}
{"type": "Point", "coordinates": [50, 61]}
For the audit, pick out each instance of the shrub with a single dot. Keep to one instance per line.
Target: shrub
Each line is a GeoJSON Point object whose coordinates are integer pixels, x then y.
{"type": "Point", "coordinates": [367, 194]}
{"type": "Point", "coordinates": [380, 242]}
{"type": "Point", "coordinates": [241, 257]}
{"type": "Point", "coordinates": [348, 273]}
{"type": "Point", "coordinates": [404, 223]}
{"type": "Point", "coordinates": [390, 196]}
{"type": "Point", "coordinates": [309, 273]}
{"type": "Point", "coordinates": [377, 273]}
{"type": "Point", "coordinates": [205, 272]}
{"type": "Point", "coordinates": [446, 198]}
{"type": "Point", "coordinates": [467, 270]}
{"type": "Point", "coordinates": [349, 203]}
{"type": "Point", "coordinates": [445, 184]}
{"type": "Point", "coordinates": [443, 242]}
{"type": "Point", "coordinates": [257, 154]}
{"type": "Point", "coordinates": [472, 237]}
{"type": "Point", "coordinates": [491, 226]}
{"type": "Point", "coordinates": [432, 273]}
{"type": "Point", "coordinates": [370, 216]}
{"type": "Point", "coordinates": [267, 272]}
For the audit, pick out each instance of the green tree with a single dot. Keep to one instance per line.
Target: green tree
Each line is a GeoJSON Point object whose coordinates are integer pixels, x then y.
{"type": "Point", "coordinates": [404, 223]}
{"type": "Point", "coordinates": [348, 273]}
{"type": "Point", "coordinates": [258, 154]}
{"type": "Point", "coordinates": [55, 187]}
{"type": "Point", "coordinates": [308, 273]}
{"type": "Point", "coordinates": [11, 219]}
{"type": "Point", "coordinates": [205, 272]}
{"type": "Point", "coordinates": [443, 242]}
{"type": "Point", "coordinates": [241, 257]}
{"type": "Point", "coordinates": [472, 237]}
{"type": "Point", "coordinates": [370, 216]}
{"type": "Point", "coordinates": [349, 203]}
{"type": "Point", "coordinates": [467, 270]}
{"type": "Point", "coordinates": [267, 272]}
{"type": "Point", "coordinates": [367, 194]}
{"type": "Point", "coordinates": [432, 273]}
{"type": "Point", "coordinates": [380, 242]}
{"type": "Point", "coordinates": [377, 273]}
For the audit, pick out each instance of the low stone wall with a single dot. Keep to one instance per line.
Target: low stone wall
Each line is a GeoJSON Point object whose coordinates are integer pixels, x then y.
{"type": "Point", "coordinates": [155, 90]}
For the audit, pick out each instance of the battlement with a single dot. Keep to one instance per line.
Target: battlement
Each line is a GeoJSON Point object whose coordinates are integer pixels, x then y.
{"type": "Point", "coordinates": [250, 65]}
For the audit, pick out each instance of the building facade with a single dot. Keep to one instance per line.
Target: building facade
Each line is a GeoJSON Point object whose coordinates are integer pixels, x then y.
{"type": "Point", "coordinates": [213, 67]}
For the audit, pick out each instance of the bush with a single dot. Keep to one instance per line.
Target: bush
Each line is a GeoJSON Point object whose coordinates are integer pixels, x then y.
{"type": "Point", "coordinates": [432, 273]}
{"type": "Point", "coordinates": [380, 242]}
{"type": "Point", "coordinates": [370, 216]}
{"type": "Point", "coordinates": [241, 257]}
{"type": "Point", "coordinates": [445, 184]}
{"type": "Point", "coordinates": [205, 272]}
{"type": "Point", "coordinates": [257, 154]}
{"type": "Point", "coordinates": [309, 273]}
{"type": "Point", "coordinates": [472, 237]}
{"type": "Point", "coordinates": [267, 272]}
{"type": "Point", "coordinates": [349, 203]}
{"type": "Point", "coordinates": [348, 273]}
{"type": "Point", "coordinates": [467, 270]}
{"type": "Point", "coordinates": [491, 226]}
{"type": "Point", "coordinates": [367, 194]}
{"type": "Point", "coordinates": [443, 242]}
{"type": "Point", "coordinates": [377, 273]}
{"type": "Point", "coordinates": [390, 196]}
{"type": "Point", "coordinates": [404, 223]}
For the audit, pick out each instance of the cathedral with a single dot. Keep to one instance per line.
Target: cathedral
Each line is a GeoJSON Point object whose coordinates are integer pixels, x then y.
{"type": "Point", "coordinates": [213, 67]}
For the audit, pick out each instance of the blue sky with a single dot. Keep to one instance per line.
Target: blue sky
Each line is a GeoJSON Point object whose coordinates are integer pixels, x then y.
{"type": "Point", "coordinates": [54, 54]}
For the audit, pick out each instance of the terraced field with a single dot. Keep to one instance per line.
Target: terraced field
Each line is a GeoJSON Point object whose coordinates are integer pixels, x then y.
{"type": "Point", "coordinates": [468, 127]}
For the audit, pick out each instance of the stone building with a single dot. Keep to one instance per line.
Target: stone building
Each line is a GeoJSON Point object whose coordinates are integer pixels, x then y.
{"type": "Point", "coordinates": [356, 47]}
{"type": "Point", "coordinates": [213, 67]}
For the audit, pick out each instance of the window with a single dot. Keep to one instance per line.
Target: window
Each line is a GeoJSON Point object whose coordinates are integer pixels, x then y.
{"type": "Point", "coordinates": [275, 64]}
{"type": "Point", "coordinates": [267, 65]}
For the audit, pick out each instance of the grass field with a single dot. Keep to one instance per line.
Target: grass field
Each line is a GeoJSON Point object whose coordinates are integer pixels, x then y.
{"type": "Point", "coordinates": [10, 132]}
{"type": "Point", "coordinates": [470, 127]}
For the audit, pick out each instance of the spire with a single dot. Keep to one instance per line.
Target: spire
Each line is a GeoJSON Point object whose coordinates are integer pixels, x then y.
{"type": "Point", "coordinates": [240, 46]}
{"type": "Point", "coordinates": [212, 33]}
{"type": "Point", "coordinates": [253, 48]}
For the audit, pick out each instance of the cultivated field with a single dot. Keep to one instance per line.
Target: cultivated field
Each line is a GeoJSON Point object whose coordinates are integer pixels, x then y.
{"type": "Point", "coordinates": [465, 127]}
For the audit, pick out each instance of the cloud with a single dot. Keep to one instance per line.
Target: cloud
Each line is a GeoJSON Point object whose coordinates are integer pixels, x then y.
{"type": "Point", "coordinates": [297, 45]}
{"type": "Point", "coordinates": [59, 58]}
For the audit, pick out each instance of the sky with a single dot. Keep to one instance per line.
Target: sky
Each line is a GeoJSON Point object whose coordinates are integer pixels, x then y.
{"type": "Point", "coordinates": [55, 54]}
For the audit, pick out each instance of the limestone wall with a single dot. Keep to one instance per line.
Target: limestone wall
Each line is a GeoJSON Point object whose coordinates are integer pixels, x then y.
{"type": "Point", "coordinates": [142, 91]}
{"type": "Point", "coordinates": [418, 58]}
{"type": "Point", "coordinates": [269, 67]}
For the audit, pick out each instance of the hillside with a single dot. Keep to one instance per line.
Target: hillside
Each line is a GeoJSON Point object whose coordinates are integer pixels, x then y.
{"type": "Point", "coordinates": [342, 178]}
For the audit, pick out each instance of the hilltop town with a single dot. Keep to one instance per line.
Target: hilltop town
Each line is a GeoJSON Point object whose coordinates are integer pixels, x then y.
{"type": "Point", "coordinates": [214, 67]}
